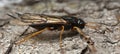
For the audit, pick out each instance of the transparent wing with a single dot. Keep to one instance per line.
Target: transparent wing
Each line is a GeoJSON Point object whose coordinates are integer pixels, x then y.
{"type": "Point", "coordinates": [29, 19]}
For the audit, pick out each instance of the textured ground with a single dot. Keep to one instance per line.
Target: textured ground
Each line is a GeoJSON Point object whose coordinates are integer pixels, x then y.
{"type": "Point", "coordinates": [105, 16]}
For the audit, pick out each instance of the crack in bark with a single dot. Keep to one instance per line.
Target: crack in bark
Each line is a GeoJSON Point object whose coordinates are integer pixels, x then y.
{"type": "Point", "coordinates": [111, 42]}
{"type": "Point", "coordinates": [8, 51]}
{"type": "Point", "coordinates": [4, 24]}
{"type": "Point", "coordinates": [25, 31]}
{"type": "Point", "coordinates": [108, 40]}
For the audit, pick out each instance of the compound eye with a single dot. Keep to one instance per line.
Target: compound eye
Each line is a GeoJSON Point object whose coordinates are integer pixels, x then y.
{"type": "Point", "coordinates": [79, 22]}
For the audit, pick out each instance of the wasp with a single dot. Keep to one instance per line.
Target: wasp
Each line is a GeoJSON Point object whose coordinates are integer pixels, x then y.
{"type": "Point", "coordinates": [43, 22]}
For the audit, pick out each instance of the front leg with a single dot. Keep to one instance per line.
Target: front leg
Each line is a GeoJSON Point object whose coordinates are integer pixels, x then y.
{"type": "Point", "coordinates": [87, 39]}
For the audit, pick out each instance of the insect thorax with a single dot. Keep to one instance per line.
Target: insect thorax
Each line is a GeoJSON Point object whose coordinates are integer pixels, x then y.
{"type": "Point", "coordinates": [73, 21]}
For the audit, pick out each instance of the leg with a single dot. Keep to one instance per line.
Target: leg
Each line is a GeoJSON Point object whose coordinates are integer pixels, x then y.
{"type": "Point", "coordinates": [61, 49]}
{"type": "Point", "coordinates": [87, 39]}
{"type": "Point", "coordinates": [61, 36]}
{"type": "Point", "coordinates": [30, 36]}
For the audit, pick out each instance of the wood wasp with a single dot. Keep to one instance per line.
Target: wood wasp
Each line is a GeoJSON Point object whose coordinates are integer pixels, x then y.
{"type": "Point", "coordinates": [43, 22]}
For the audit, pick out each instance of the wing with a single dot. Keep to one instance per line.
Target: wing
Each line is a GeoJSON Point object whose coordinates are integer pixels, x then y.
{"type": "Point", "coordinates": [31, 19]}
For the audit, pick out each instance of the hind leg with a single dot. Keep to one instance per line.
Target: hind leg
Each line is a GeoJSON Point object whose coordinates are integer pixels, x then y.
{"type": "Point", "coordinates": [30, 36]}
